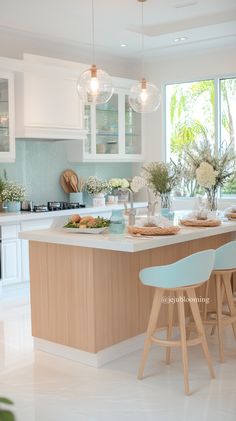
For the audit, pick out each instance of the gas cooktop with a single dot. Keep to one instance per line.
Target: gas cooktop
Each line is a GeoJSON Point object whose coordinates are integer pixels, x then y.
{"type": "Point", "coordinates": [56, 206]}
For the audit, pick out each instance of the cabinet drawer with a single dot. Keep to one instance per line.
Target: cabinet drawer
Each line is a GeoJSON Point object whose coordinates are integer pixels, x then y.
{"type": "Point", "coordinates": [10, 231]}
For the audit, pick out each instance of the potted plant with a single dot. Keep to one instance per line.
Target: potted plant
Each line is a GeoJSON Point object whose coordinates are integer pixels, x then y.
{"type": "Point", "coordinates": [212, 168]}
{"type": "Point", "coordinates": [6, 414]}
{"type": "Point", "coordinates": [162, 178]}
{"type": "Point", "coordinates": [97, 188]}
{"type": "Point", "coordinates": [119, 188]}
{"type": "Point", "coordinates": [13, 193]}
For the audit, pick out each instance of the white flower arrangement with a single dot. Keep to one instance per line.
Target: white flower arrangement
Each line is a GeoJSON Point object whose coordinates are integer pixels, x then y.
{"type": "Point", "coordinates": [95, 185]}
{"type": "Point", "coordinates": [206, 175]}
{"type": "Point", "coordinates": [138, 183]}
{"type": "Point", "coordinates": [117, 183]}
{"type": "Point", "coordinates": [13, 192]}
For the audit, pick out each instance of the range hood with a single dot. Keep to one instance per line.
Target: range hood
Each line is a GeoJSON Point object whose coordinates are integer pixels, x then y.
{"type": "Point", "coordinates": [47, 105]}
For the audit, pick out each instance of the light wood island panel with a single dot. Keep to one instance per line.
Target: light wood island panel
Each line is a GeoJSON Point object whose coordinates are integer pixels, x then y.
{"type": "Point", "coordinates": [90, 299]}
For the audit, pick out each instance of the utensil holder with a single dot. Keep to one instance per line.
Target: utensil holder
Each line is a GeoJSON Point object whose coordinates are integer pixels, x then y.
{"type": "Point", "coordinates": [76, 198]}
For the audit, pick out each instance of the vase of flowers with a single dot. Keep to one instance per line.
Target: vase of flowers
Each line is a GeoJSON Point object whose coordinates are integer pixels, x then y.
{"type": "Point", "coordinates": [162, 178]}
{"type": "Point", "coordinates": [97, 188]}
{"type": "Point", "coordinates": [13, 194]}
{"type": "Point", "coordinates": [119, 188]}
{"type": "Point", "coordinates": [213, 167]}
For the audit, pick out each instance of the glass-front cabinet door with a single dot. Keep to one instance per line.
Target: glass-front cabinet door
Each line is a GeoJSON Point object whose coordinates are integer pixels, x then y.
{"type": "Point", "coordinates": [114, 130]}
{"type": "Point", "coordinates": [7, 139]}
{"type": "Point", "coordinates": [133, 130]}
{"type": "Point", "coordinates": [107, 127]}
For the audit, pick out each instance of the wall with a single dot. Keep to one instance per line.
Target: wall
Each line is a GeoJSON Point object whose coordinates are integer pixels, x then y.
{"type": "Point", "coordinates": [39, 165]}
{"type": "Point", "coordinates": [181, 69]}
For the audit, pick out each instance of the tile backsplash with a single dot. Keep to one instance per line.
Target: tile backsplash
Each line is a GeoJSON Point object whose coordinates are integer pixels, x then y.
{"type": "Point", "coordinates": [39, 165]}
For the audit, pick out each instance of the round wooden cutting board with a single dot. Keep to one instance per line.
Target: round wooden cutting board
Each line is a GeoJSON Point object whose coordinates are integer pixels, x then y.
{"type": "Point", "coordinates": [66, 175]}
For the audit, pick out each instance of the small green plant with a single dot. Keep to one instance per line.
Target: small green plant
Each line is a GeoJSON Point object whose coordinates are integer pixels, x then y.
{"type": "Point", "coordinates": [13, 192]}
{"type": "Point", "coordinates": [6, 414]}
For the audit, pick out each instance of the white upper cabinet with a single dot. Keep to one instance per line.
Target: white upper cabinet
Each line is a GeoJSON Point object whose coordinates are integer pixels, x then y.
{"type": "Point", "coordinates": [114, 130]}
{"type": "Point", "coordinates": [47, 103]}
{"type": "Point", "coordinates": [7, 118]}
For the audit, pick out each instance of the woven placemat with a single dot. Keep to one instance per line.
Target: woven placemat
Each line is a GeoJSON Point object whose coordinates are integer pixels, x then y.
{"type": "Point", "coordinates": [200, 222]}
{"type": "Point", "coordinates": [153, 230]}
{"type": "Point", "coordinates": [231, 215]}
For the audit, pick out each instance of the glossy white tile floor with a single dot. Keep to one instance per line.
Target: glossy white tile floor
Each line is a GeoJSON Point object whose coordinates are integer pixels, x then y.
{"type": "Point", "coordinates": [47, 388]}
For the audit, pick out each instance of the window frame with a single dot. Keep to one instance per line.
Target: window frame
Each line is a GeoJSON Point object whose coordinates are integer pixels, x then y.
{"type": "Point", "coordinates": [217, 115]}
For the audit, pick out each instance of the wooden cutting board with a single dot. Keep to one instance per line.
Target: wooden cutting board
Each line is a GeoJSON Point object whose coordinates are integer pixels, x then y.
{"type": "Point", "coordinates": [66, 175]}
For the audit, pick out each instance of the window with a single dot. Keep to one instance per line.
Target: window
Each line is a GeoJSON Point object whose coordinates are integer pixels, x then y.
{"type": "Point", "coordinates": [199, 110]}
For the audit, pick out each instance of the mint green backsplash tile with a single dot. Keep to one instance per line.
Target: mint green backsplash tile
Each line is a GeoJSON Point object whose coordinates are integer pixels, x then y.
{"type": "Point", "coordinates": [39, 165]}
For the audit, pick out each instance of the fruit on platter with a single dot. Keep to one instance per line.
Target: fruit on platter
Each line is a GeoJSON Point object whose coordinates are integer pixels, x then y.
{"type": "Point", "coordinates": [76, 221]}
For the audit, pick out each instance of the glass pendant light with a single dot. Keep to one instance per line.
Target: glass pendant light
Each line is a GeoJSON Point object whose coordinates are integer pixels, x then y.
{"type": "Point", "coordinates": [144, 97]}
{"type": "Point", "coordinates": [94, 86]}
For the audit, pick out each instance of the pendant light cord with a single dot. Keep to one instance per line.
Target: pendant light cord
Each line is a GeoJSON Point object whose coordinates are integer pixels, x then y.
{"type": "Point", "coordinates": [142, 41]}
{"type": "Point", "coordinates": [93, 47]}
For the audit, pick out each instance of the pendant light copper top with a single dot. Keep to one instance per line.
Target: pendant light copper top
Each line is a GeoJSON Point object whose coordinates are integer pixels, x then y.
{"type": "Point", "coordinates": [94, 86]}
{"type": "Point", "coordinates": [144, 97]}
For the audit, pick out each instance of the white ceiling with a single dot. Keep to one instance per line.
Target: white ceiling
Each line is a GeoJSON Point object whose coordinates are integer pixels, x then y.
{"type": "Point", "coordinates": [66, 24]}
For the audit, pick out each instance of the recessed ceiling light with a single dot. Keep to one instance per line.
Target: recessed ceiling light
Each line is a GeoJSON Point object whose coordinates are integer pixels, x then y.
{"type": "Point", "coordinates": [123, 45]}
{"type": "Point", "coordinates": [180, 39]}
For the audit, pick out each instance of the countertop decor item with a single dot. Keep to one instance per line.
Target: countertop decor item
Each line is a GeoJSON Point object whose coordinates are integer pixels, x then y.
{"type": "Point", "coordinates": [97, 188]}
{"type": "Point", "coordinates": [200, 222]}
{"type": "Point", "coordinates": [13, 193]}
{"type": "Point", "coordinates": [74, 185]}
{"type": "Point", "coordinates": [162, 177]}
{"type": "Point", "coordinates": [94, 85]}
{"type": "Point", "coordinates": [212, 167]}
{"type": "Point", "coordinates": [87, 224]}
{"type": "Point", "coordinates": [117, 222]}
{"type": "Point", "coordinates": [153, 231]}
{"type": "Point", "coordinates": [119, 187]}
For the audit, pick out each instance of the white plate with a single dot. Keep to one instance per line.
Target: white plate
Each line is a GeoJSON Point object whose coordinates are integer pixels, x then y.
{"type": "Point", "coordinates": [86, 230]}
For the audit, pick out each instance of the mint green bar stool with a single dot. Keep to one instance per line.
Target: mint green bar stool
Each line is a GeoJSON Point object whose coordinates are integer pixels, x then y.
{"type": "Point", "coordinates": [224, 267]}
{"type": "Point", "coordinates": [180, 280]}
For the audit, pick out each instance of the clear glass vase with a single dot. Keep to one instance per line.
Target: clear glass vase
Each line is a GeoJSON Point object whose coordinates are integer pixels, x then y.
{"type": "Point", "coordinates": [165, 204]}
{"type": "Point", "coordinates": [117, 224]}
{"type": "Point", "coordinates": [212, 199]}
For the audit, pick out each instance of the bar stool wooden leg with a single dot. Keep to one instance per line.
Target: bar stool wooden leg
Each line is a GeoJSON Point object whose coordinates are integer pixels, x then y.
{"type": "Point", "coordinates": [156, 306]}
{"type": "Point", "coordinates": [200, 328]}
{"type": "Point", "coordinates": [181, 314]}
{"type": "Point", "coordinates": [219, 317]}
{"type": "Point", "coordinates": [169, 330]}
{"type": "Point", "coordinates": [205, 305]}
{"type": "Point", "coordinates": [230, 298]}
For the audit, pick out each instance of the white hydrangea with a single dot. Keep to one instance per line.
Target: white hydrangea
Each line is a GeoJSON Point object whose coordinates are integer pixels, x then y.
{"type": "Point", "coordinates": [206, 175]}
{"type": "Point", "coordinates": [138, 183]}
{"type": "Point", "coordinates": [117, 183]}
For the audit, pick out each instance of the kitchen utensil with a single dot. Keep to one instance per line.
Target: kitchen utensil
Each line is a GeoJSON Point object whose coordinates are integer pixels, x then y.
{"type": "Point", "coordinates": [65, 180]}
{"type": "Point", "coordinates": [74, 182]}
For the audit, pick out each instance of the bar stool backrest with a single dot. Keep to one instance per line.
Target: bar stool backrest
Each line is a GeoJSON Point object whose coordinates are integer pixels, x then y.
{"type": "Point", "coordinates": [191, 270]}
{"type": "Point", "coordinates": [226, 257]}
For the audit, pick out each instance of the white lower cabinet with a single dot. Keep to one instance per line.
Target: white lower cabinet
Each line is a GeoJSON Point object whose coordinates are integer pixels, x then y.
{"type": "Point", "coordinates": [30, 226]}
{"type": "Point", "coordinates": [10, 255]}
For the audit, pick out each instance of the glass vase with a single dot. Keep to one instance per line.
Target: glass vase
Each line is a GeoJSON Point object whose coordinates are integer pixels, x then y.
{"type": "Point", "coordinates": [166, 205]}
{"type": "Point", "coordinates": [117, 224]}
{"type": "Point", "coordinates": [212, 199]}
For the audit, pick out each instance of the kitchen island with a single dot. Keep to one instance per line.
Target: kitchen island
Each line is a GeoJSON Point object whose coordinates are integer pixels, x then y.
{"type": "Point", "coordinates": [87, 301]}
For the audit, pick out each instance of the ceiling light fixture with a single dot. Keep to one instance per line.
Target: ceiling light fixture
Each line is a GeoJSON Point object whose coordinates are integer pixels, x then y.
{"type": "Point", "coordinates": [144, 97]}
{"type": "Point", "coordinates": [123, 45]}
{"type": "Point", "coordinates": [94, 86]}
{"type": "Point", "coordinates": [180, 39]}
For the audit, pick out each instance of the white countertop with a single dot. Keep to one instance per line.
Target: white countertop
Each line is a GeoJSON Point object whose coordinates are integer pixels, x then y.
{"type": "Point", "coordinates": [17, 217]}
{"type": "Point", "coordinates": [123, 242]}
